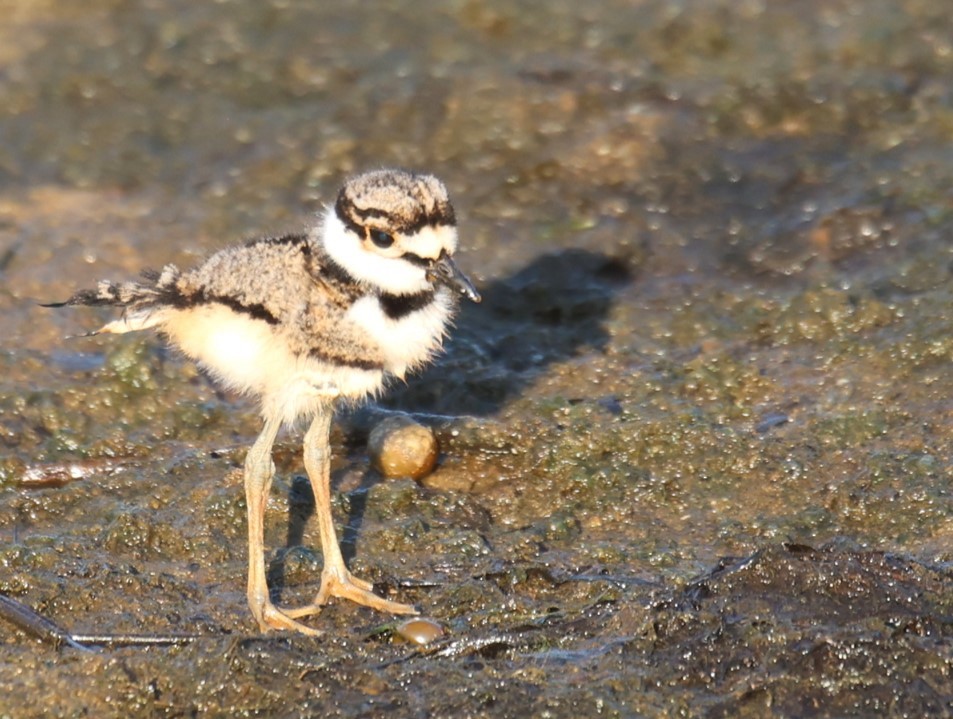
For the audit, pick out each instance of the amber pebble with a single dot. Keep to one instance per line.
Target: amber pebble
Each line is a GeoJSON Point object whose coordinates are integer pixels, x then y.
{"type": "Point", "coordinates": [401, 447]}
{"type": "Point", "coordinates": [419, 630]}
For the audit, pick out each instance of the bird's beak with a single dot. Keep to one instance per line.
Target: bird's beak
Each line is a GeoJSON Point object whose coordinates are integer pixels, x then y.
{"type": "Point", "coordinates": [444, 272]}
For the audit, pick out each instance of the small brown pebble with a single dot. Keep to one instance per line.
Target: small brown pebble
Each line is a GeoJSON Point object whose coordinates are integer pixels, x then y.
{"type": "Point", "coordinates": [401, 447]}
{"type": "Point", "coordinates": [419, 630]}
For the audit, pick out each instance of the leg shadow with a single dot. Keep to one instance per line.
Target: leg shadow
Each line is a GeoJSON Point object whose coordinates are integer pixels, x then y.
{"type": "Point", "coordinates": [300, 510]}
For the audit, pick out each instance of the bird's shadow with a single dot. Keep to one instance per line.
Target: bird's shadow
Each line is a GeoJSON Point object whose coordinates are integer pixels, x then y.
{"type": "Point", "coordinates": [547, 312]}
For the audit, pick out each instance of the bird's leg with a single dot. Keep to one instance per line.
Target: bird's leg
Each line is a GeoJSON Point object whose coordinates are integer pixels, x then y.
{"type": "Point", "coordinates": [259, 470]}
{"type": "Point", "coordinates": [336, 580]}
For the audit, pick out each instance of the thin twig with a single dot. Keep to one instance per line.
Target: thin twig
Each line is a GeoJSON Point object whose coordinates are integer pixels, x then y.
{"type": "Point", "coordinates": [35, 624]}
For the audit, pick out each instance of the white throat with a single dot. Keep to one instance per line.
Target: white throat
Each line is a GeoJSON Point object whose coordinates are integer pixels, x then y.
{"type": "Point", "coordinates": [392, 275]}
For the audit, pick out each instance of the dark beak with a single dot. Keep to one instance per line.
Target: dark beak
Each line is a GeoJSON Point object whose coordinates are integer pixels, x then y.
{"type": "Point", "coordinates": [444, 272]}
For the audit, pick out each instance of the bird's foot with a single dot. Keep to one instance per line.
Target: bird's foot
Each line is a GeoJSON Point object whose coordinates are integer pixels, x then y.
{"type": "Point", "coordinates": [270, 617]}
{"type": "Point", "coordinates": [346, 586]}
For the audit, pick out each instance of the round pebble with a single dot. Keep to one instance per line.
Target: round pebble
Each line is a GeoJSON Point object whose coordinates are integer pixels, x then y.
{"type": "Point", "coordinates": [401, 447]}
{"type": "Point", "coordinates": [419, 630]}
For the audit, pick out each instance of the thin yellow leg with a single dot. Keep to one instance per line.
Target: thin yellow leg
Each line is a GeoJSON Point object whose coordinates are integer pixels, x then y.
{"type": "Point", "coordinates": [259, 471]}
{"type": "Point", "coordinates": [336, 580]}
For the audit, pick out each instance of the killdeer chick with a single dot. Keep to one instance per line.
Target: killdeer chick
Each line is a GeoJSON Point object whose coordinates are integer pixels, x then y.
{"type": "Point", "coordinates": [305, 322]}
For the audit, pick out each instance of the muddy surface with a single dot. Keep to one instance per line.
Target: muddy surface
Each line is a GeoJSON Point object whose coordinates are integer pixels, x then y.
{"type": "Point", "coordinates": [696, 442]}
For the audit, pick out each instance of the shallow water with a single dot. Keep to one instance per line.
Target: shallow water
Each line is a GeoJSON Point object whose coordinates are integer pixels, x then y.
{"type": "Point", "coordinates": [696, 440]}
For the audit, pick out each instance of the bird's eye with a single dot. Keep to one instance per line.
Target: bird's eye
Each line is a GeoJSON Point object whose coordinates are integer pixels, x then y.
{"type": "Point", "coordinates": [380, 238]}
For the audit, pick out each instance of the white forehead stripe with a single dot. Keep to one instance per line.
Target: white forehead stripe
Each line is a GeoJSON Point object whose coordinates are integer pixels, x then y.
{"type": "Point", "coordinates": [430, 241]}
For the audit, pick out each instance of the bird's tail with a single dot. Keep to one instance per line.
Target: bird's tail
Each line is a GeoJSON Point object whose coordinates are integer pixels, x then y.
{"type": "Point", "coordinates": [139, 300]}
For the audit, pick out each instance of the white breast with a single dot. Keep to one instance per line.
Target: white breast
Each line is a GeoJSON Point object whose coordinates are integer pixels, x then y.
{"type": "Point", "coordinates": [248, 355]}
{"type": "Point", "coordinates": [241, 352]}
{"type": "Point", "coordinates": [407, 342]}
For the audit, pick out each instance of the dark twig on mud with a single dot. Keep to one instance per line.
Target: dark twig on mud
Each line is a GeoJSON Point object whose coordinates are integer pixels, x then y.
{"type": "Point", "coordinates": [136, 640]}
{"type": "Point", "coordinates": [36, 624]}
{"type": "Point", "coordinates": [48, 631]}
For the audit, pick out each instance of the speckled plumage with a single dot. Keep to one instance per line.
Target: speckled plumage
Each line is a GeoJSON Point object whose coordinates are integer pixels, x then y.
{"type": "Point", "coordinates": [276, 314]}
{"type": "Point", "coordinates": [405, 203]}
{"type": "Point", "coordinates": [304, 321]}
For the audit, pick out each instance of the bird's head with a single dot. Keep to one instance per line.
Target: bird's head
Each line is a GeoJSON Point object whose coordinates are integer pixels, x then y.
{"type": "Point", "coordinates": [396, 231]}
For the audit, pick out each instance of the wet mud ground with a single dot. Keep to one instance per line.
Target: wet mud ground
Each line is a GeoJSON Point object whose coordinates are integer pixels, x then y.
{"type": "Point", "coordinates": [696, 442]}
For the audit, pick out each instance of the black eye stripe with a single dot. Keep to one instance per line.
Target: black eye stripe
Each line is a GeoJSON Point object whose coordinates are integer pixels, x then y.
{"type": "Point", "coordinates": [417, 260]}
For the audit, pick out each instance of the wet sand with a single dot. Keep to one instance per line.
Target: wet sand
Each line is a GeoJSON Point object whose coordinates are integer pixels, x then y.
{"type": "Point", "coordinates": [695, 442]}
